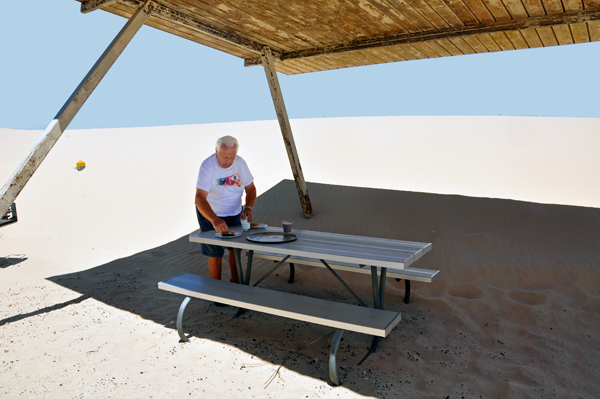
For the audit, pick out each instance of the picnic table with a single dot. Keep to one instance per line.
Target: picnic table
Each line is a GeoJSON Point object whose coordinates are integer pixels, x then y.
{"type": "Point", "coordinates": [330, 250]}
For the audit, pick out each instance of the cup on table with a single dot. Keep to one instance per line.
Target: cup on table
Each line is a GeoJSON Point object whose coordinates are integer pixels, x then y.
{"type": "Point", "coordinates": [287, 226]}
{"type": "Point", "coordinates": [245, 224]}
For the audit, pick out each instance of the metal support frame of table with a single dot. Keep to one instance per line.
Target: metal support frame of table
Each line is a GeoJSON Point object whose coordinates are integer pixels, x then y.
{"type": "Point", "coordinates": [379, 253]}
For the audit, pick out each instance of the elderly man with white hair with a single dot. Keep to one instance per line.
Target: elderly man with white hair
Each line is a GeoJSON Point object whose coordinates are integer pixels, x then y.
{"type": "Point", "coordinates": [223, 178]}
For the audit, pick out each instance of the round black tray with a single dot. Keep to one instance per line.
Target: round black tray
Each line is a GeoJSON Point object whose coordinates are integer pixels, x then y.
{"type": "Point", "coordinates": [271, 238]}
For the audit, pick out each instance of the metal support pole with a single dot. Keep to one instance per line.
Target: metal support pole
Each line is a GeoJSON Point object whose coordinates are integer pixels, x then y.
{"type": "Point", "coordinates": [281, 262]}
{"type": "Point", "coordinates": [286, 130]}
{"type": "Point", "coordinates": [40, 150]}
{"type": "Point", "coordinates": [180, 313]}
{"type": "Point", "coordinates": [238, 263]}
{"type": "Point", "coordinates": [333, 376]}
{"type": "Point", "coordinates": [344, 283]}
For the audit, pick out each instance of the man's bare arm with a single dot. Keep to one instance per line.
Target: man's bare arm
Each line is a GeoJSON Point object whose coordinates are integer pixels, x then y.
{"type": "Point", "coordinates": [250, 200]}
{"type": "Point", "coordinates": [206, 211]}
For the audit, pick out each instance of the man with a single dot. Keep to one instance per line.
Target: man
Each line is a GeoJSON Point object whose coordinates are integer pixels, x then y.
{"type": "Point", "coordinates": [223, 178]}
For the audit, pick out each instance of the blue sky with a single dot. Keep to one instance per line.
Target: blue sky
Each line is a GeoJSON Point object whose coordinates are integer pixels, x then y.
{"type": "Point", "coordinates": [47, 47]}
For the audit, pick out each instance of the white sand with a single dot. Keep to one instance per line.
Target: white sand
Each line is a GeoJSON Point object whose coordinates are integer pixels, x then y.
{"type": "Point", "coordinates": [515, 313]}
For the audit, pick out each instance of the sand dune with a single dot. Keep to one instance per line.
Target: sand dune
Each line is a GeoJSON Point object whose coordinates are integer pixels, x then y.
{"type": "Point", "coordinates": [515, 313]}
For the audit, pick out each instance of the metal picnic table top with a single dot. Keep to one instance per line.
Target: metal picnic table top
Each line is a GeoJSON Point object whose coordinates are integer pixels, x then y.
{"type": "Point", "coordinates": [333, 247]}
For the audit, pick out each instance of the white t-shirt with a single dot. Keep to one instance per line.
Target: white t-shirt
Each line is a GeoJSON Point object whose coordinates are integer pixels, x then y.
{"type": "Point", "coordinates": [224, 186]}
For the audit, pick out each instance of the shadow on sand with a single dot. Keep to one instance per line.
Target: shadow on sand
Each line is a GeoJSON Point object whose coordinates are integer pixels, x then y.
{"type": "Point", "coordinates": [470, 236]}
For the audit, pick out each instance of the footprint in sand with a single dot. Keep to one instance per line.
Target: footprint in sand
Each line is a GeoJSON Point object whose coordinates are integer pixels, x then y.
{"type": "Point", "coordinates": [467, 291]}
{"type": "Point", "coordinates": [528, 297]}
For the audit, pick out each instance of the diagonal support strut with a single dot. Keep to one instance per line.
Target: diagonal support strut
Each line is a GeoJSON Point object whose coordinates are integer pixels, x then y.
{"type": "Point", "coordinates": [286, 130]}
{"type": "Point", "coordinates": [40, 150]}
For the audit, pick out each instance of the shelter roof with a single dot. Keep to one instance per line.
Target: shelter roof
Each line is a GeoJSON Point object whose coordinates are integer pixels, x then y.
{"type": "Point", "coordinates": [316, 35]}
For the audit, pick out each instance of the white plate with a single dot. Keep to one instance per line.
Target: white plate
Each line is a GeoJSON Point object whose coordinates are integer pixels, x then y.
{"type": "Point", "coordinates": [260, 226]}
{"type": "Point", "coordinates": [236, 234]}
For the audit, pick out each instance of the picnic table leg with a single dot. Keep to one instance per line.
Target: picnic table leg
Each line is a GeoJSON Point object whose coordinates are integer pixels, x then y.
{"type": "Point", "coordinates": [238, 262]}
{"type": "Point", "coordinates": [292, 273]}
{"type": "Point", "coordinates": [406, 290]}
{"type": "Point", "coordinates": [376, 295]}
{"type": "Point", "coordinates": [249, 266]}
{"type": "Point", "coordinates": [332, 357]}
{"type": "Point", "coordinates": [180, 319]}
{"type": "Point", "coordinates": [378, 298]}
{"type": "Point", "coordinates": [382, 280]}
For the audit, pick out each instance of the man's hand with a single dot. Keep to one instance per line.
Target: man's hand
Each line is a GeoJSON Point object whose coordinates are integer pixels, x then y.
{"type": "Point", "coordinates": [220, 226]}
{"type": "Point", "coordinates": [247, 214]}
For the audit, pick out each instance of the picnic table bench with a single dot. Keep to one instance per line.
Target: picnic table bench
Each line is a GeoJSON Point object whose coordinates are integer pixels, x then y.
{"type": "Point", "coordinates": [342, 316]}
{"type": "Point", "coordinates": [408, 274]}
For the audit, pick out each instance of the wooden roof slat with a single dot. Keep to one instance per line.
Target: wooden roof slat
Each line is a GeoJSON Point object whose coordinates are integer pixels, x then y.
{"type": "Point", "coordinates": [425, 49]}
{"type": "Point", "coordinates": [388, 54]}
{"type": "Point", "coordinates": [406, 54]}
{"type": "Point", "coordinates": [351, 57]}
{"type": "Point", "coordinates": [532, 38]}
{"type": "Point", "coordinates": [445, 12]}
{"type": "Point", "coordinates": [439, 50]}
{"type": "Point", "coordinates": [293, 65]}
{"type": "Point", "coordinates": [515, 8]}
{"type": "Point", "coordinates": [517, 39]}
{"type": "Point", "coordinates": [572, 5]}
{"type": "Point", "coordinates": [462, 11]}
{"type": "Point", "coordinates": [502, 41]}
{"type": "Point", "coordinates": [563, 34]}
{"type": "Point", "coordinates": [399, 52]}
{"type": "Point", "coordinates": [594, 29]}
{"type": "Point", "coordinates": [449, 47]}
{"type": "Point", "coordinates": [534, 7]}
{"type": "Point", "coordinates": [324, 17]}
{"type": "Point", "coordinates": [580, 32]}
{"type": "Point", "coordinates": [547, 36]}
{"type": "Point", "coordinates": [480, 10]}
{"type": "Point", "coordinates": [476, 44]}
{"type": "Point", "coordinates": [412, 50]}
{"type": "Point", "coordinates": [403, 53]}
{"type": "Point", "coordinates": [412, 14]}
{"type": "Point", "coordinates": [498, 10]}
{"type": "Point", "coordinates": [362, 59]}
{"type": "Point", "coordinates": [300, 65]}
{"type": "Point", "coordinates": [590, 4]}
{"type": "Point", "coordinates": [488, 41]}
{"type": "Point", "coordinates": [371, 10]}
{"type": "Point", "coordinates": [323, 63]}
{"type": "Point", "coordinates": [552, 6]}
{"type": "Point", "coordinates": [345, 9]}
{"type": "Point", "coordinates": [311, 17]}
{"type": "Point", "coordinates": [428, 14]}
{"type": "Point", "coordinates": [462, 45]}
{"type": "Point", "coordinates": [406, 20]}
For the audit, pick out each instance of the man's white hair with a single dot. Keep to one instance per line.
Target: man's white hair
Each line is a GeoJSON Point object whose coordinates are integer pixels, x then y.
{"type": "Point", "coordinates": [227, 141]}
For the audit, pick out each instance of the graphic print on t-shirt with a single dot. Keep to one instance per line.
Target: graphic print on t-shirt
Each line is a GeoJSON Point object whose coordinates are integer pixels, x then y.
{"type": "Point", "coordinates": [233, 180]}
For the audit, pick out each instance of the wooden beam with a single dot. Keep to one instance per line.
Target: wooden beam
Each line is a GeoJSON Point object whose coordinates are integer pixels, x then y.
{"type": "Point", "coordinates": [449, 33]}
{"type": "Point", "coordinates": [92, 5]}
{"type": "Point", "coordinates": [38, 153]}
{"type": "Point", "coordinates": [178, 17]}
{"type": "Point", "coordinates": [286, 131]}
